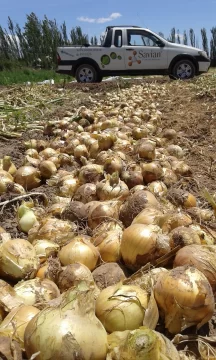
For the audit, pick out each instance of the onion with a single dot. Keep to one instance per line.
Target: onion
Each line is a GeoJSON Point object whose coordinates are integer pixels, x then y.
{"type": "Point", "coordinates": [108, 244]}
{"type": "Point", "coordinates": [149, 216]}
{"type": "Point", "coordinates": [8, 165]}
{"type": "Point", "coordinates": [175, 150]}
{"type": "Point", "coordinates": [68, 185]}
{"type": "Point", "coordinates": [86, 193]}
{"type": "Point", "coordinates": [56, 209]}
{"type": "Point", "coordinates": [139, 133]}
{"type": "Point", "coordinates": [79, 333]}
{"type": "Point", "coordinates": [44, 248]}
{"type": "Point", "coordinates": [26, 218]}
{"type": "Point", "coordinates": [31, 144]}
{"type": "Point", "coordinates": [4, 236]}
{"type": "Point", "coordinates": [158, 188]}
{"type": "Point", "coordinates": [36, 291]}
{"type": "Point", "coordinates": [6, 180]}
{"type": "Point", "coordinates": [169, 177]}
{"type": "Point", "coordinates": [32, 153]}
{"type": "Point", "coordinates": [103, 211]}
{"type": "Point", "coordinates": [72, 275]}
{"type": "Point", "coordinates": [72, 144]}
{"type": "Point", "coordinates": [169, 134]}
{"type": "Point", "coordinates": [201, 214]}
{"type": "Point", "coordinates": [58, 231]}
{"type": "Point", "coordinates": [180, 197]}
{"type": "Point", "coordinates": [16, 321]}
{"type": "Point", "coordinates": [121, 307]}
{"type": "Point", "coordinates": [206, 237]}
{"type": "Point", "coordinates": [145, 149]}
{"type": "Point", "coordinates": [106, 141]}
{"type": "Point", "coordinates": [151, 172]}
{"type": "Point", "coordinates": [47, 168]}
{"type": "Point", "coordinates": [51, 269]}
{"type": "Point", "coordinates": [105, 227]}
{"type": "Point", "coordinates": [202, 258]}
{"type": "Point", "coordinates": [141, 344]}
{"type": "Point", "coordinates": [132, 178]}
{"type": "Point", "coordinates": [80, 150]}
{"type": "Point", "coordinates": [30, 161]}
{"type": "Point", "coordinates": [75, 211]}
{"type": "Point", "coordinates": [93, 148]}
{"type": "Point", "coordinates": [182, 236]}
{"type": "Point", "coordinates": [79, 250]}
{"type": "Point", "coordinates": [181, 168]}
{"type": "Point", "coordinates": [142, 244]}
{"type": "Point", "coordinates": [112, 188]}
{"type": "Point", "coordinates": [47, 153]}
{"type": "Point", "coordinates": [91, 173]}
{"type": "Point", "coordinates": [113, 164]}
{"type": "Point", "coordinates": [28, 177]}
{"type": "Point", "coordinates": [145, 279]}
{"type": "Point", "coordinates": [185, 298]}
{"type": "Point", "coordinates": [8, 298]}
{"type": "Point", "coordinates": [9, 349]}
{"type": "Point", "coordinates": [18, 259]}
{"type": "Point", "coordinates": [135, 204]}
{"type": "Point", "coordinates": [175, 220]}
{"type": "Point", "coordinates": [102, 156]}
{"type": "Point", "coordinates": [108, 274]}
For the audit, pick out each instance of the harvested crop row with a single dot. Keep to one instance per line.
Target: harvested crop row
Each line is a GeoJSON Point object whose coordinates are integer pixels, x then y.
{"type": "Point", "coordinates": [116, 253]}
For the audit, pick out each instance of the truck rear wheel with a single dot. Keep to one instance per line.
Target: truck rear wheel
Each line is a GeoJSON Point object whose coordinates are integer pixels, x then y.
{"type": "Point", "coordinates": [86, 73]}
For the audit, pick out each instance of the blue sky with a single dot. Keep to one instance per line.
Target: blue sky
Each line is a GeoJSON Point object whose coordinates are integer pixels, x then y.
{"type": "Point", "coordinates": [93, 15]}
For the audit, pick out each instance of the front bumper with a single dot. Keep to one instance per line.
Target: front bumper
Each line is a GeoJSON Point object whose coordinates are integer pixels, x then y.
{"type": "Point", "coordinates": [203, 66]}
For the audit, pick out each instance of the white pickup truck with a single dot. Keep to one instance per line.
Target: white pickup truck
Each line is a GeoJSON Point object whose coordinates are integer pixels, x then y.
{"type": "Point", "coordinates": [131, 50]}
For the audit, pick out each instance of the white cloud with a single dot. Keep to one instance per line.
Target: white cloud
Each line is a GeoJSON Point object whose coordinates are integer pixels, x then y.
{"type": "Point", "coordinates": [101, 20]}
{"type": "Point", "coordinates": [86, 19]}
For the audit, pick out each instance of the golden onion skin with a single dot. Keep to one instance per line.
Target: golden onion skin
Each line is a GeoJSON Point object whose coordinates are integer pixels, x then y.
{"type": "Point", "coordinates": [185, 298]}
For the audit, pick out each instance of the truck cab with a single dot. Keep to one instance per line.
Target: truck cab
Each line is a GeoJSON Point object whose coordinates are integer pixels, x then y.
{"type": "Point", "coordinates": [131, 50]}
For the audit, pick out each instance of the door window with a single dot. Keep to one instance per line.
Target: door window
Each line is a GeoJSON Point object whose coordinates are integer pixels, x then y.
{"type": "Point", "coordinates": [141, 38]}
{"type": "Point", "coordinates": [118, 38]}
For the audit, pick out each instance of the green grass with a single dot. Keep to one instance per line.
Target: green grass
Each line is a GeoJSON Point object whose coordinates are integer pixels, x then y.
{"type": "Point", "coordinates": [20, 76]}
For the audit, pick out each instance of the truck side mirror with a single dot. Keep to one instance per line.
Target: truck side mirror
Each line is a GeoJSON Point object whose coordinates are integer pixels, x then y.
{"type": "Point", "coordinates": [160, 43]}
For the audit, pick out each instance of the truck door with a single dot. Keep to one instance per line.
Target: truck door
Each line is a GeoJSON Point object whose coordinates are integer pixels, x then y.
{"type": "Point", "coordinates": [144, 51]}
{"type": "Point", "coordinates": [112, 58]}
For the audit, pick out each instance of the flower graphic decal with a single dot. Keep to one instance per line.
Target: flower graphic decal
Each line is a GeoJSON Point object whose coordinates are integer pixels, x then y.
{"type": "Point", "coordinates": [133, 59]}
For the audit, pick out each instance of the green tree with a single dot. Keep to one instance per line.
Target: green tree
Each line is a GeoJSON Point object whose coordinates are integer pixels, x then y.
{"type": "Point", "coordinates": [34, 38]}
{"type": "Point", "coordinates": [64, 34]}
{"type": "Point", "coordinates": [77, 36]}
{"type": "Point", "coordinates": [178, 37]}
{"type": "Point", "coordinates": [213, 46]}
{"type": "Point", "coordinates": [173, 35]}
{"type": "Point", "coordinates": [192, 37]}
{"type": "Point", "coordinates": [185, 38]}
{"type": "Point", "coordinates": [205, 41]}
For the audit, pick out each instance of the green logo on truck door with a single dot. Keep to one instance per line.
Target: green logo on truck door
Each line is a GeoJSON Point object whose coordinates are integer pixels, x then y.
{"type": "Point", "coordinates": [105, 59]}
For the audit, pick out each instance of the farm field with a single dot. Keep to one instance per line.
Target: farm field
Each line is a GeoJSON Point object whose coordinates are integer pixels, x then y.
{"type": "Point", "coordinates": [154, 133]}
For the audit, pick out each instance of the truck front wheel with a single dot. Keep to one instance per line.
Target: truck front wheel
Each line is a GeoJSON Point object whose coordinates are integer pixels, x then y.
{"type": "Point", "coordinates": [183, 70]}
{"type": "Point", "coordinates": [86, 73]}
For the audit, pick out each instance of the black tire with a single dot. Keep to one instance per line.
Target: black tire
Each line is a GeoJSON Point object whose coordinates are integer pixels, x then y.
{"type": "Point", "coordinates": [86, 73]}
{"type": "Point", "coordinates": [183, 70]}
{"type": "Point", "coordinates": [99, 78]}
